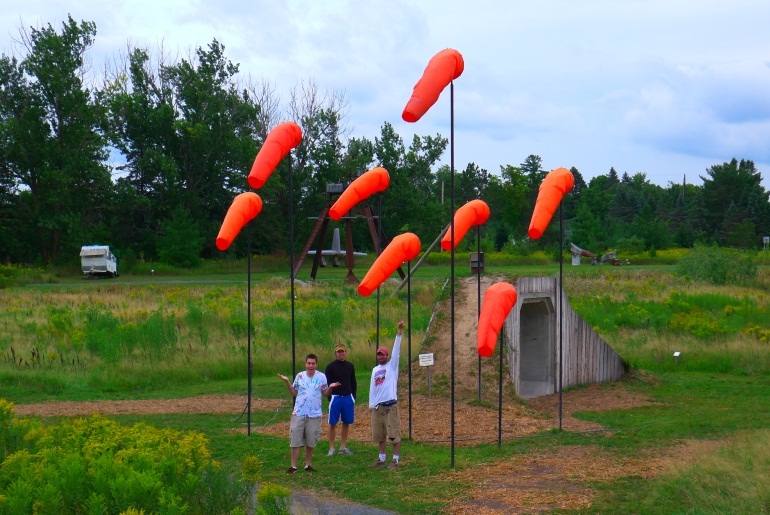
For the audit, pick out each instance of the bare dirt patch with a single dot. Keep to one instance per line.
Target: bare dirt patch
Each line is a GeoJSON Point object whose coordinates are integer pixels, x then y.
{"type": "Point", "coordinates": [431, 422]}
{"type": "Point", "coordinates": [229, 404]}
{"type": "Point", "coordinates": [546, 481]}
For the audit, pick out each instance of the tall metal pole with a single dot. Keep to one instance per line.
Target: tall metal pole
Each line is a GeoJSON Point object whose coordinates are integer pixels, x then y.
{"type": "Point", "coordinates": [478, 292]}
{"type": "Point", "coordinates": [452, 260]}
{"type": "Point", "coordinates": [561, 310]}
{"type": "Point", "coordinates": [291, 272]}
{"type": "Point", "coordinates": [379, 245]}
{"type": "Point", "coordinates": [500, 391]}
{"type": "Point", "coordinates": [409, 337]}
{"type": "Point", "coordinates": [248, 326]}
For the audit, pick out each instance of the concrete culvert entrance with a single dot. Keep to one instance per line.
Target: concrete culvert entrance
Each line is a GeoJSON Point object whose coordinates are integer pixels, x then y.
{"type": "Point", "coordinates": [537, 348]}
{"type": "Point", "coordinates": [532, 329]}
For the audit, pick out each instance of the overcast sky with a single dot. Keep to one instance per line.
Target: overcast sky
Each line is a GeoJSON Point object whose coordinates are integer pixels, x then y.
{"type": "Point", "coordinates": [664, 87]}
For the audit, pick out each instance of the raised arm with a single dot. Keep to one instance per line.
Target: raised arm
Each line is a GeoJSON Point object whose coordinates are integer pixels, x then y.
{"type": "Point", "coordinates": [396, 354]}
{"type": "Point", "coordinates": [289, 386]}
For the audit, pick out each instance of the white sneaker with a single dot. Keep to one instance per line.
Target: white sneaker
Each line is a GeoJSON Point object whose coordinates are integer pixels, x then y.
{"type": "Point", "coordinates": [332, 452]}
{"type": "Point", "coordinates": [345, 450]}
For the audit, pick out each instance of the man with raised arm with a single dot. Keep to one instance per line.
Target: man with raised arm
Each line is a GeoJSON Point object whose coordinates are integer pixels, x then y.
{"type": "Point", "coordinates": [383, 401]}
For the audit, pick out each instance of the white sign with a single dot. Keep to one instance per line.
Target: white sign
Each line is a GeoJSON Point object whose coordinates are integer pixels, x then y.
{"type": "Point", "coordinates": [426, 360]}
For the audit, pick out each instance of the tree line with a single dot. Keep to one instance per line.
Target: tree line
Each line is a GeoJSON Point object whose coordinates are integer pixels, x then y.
{"type": "Point", "coordinates": [148, 156]}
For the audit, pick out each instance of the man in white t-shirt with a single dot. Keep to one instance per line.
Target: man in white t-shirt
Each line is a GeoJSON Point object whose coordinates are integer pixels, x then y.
{"type": "Point", "coordinates": [305, 431]}
{"type": "Point", "coordinates": [383, 401]}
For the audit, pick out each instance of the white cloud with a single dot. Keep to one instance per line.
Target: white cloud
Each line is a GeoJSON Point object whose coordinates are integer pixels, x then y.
{"type": "Point", "coordinates": [655, 86]}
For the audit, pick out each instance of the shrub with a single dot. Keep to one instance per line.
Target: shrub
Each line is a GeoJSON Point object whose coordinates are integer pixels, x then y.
{"type": "Point", "coordinates": [96, 465]}
{"type": "Point", "coordinates": [13, 431]}
{"type": "Point", "coordinates": [271, 499]}
{"type": "Point", "coordinates": [718, 265]}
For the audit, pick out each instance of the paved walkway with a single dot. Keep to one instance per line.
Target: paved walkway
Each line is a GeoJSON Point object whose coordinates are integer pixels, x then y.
{"type": "Point", "coordinates": [303, 503]}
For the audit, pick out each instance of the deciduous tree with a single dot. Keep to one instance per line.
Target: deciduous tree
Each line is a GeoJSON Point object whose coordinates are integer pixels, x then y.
{"type": "Point", "coordinates": [53, 149]}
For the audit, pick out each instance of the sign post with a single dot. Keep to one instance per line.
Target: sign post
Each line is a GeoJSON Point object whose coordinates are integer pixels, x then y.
{"type": "Point", "coordinates": [426, 360]}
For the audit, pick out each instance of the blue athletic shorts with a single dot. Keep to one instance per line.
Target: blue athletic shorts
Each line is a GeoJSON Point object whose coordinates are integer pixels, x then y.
{"type": "Point", "coordinates": [343, 405]}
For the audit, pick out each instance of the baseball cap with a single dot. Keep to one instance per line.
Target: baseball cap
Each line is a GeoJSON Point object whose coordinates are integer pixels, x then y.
{"type": "Point", "coordinates": [340, 346]}
{"type": "Point", "coordinates": [382, 350]}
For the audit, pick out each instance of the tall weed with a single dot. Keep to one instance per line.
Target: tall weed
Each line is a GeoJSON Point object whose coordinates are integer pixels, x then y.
{"type": "Point", "coordinates": [101, 329]}
{"type": "Point", "coordinates": [141, 337]}
{"type": "Point", "coordinates": [198, 320]}
{"type": "Point", "coordinates": [158, 335]}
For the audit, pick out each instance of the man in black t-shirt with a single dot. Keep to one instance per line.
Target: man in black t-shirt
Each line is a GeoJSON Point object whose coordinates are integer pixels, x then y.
{"type": "Point", "coordinates": [343, 399]}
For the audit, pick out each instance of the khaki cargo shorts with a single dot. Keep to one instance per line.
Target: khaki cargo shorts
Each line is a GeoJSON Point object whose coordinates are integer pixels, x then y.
{"type": "Point", "coordinates": [386, 424]}
{"type": "Point", "coordinates": [304, 431]}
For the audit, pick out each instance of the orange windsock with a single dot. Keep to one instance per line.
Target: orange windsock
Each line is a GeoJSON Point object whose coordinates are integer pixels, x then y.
{"type": "Point", "coordinates": [555, 185]}
{"type": "Point", "coordinates": [442, 69]}
{"type": "Point", "coordinates": [244, 208]}
{"type": "Point", "coordinates": [475, 212]}
{"type": "Point", "coordinates": [373, 181]}
{"type": "Point", "coordinates": [498, 301]}
{"type": "Point", "coordinates": [284, 137]}
{"type": "Point", "coordinates": [404, 247]}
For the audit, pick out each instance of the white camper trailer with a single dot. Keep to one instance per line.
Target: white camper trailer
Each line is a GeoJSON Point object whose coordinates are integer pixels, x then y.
{"type": "Point", "coordinates": [97, 260]}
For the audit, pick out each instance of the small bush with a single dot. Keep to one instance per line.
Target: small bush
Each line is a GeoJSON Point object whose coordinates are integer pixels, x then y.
{"type": "Point", "coordinates": [273, 499]}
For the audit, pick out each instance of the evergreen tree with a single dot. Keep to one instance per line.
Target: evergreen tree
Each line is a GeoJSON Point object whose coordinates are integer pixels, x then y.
{"type": "Point", "coordinates": [180, 242]}
{"type": "Point", "coordinates": [732, 187]}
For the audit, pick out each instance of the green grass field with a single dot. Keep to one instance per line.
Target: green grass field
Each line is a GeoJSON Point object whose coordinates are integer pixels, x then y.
{"type": "Point", "coordinates": [143, 337]}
